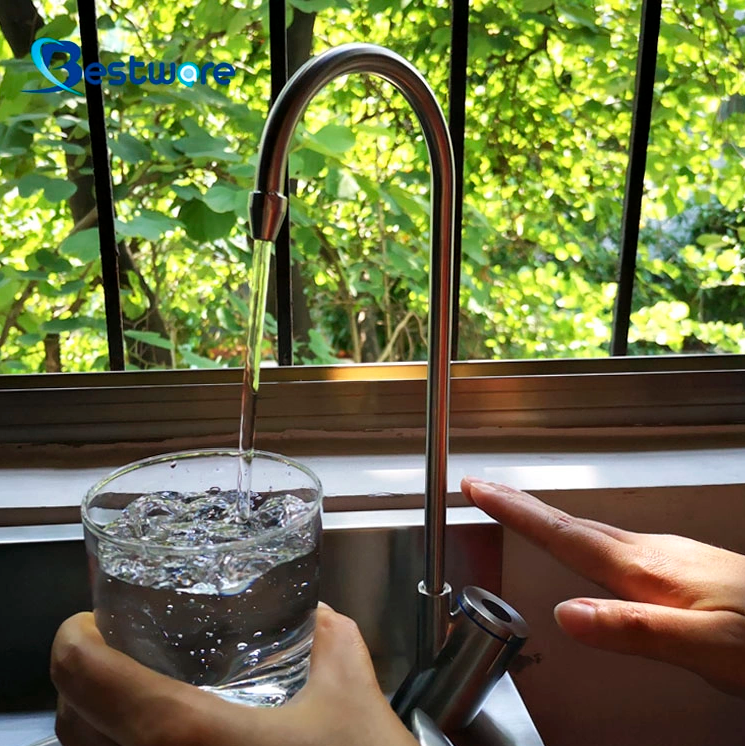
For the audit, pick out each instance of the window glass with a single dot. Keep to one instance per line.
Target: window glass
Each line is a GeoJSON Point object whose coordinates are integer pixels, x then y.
{"type": "Point", "coordinates": [51, 300]}
{"type": "Point", "coordinates": [690, 294]}
{"type": "Point", "coordinates": [549, 102]}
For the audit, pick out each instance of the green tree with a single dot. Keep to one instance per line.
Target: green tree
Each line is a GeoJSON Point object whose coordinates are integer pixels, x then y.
{"type": "Point", "coordinates": [548, 119]}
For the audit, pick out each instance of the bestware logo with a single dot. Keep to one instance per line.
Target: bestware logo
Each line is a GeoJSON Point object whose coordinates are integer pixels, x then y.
{"type": "Point", "coordinates": [117, 73]}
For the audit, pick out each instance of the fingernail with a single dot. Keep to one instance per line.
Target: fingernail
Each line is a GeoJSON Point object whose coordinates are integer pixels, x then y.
{"type": "Point", "coordinates": [323, 605]}
{"type": "Point", "coordinates": [575, 617]}
{"type": "Point", "coordinates": [479, 482]}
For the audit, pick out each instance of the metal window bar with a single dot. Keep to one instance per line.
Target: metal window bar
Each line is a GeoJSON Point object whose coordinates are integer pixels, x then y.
{"type": "Point", "coordinates": [283, 260]}
{"type": "Point", "coordinates": [457, 125]}
{"type": "Point", "coordinates": [633, 193]}
{"type": "Point", "coordinates": [646, 63]}
{"type": "Point", "coordinates": [103, 189]}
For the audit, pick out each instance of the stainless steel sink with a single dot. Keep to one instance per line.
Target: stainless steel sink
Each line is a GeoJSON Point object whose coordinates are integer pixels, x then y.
{"type": "Point", "coordinates": [371, 562]}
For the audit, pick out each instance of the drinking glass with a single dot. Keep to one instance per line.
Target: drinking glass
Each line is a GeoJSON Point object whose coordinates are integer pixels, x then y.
{"type": "Point", "coordinates": [202, 579]}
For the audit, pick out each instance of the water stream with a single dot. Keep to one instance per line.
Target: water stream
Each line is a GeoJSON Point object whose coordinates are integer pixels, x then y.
{"type": "Point", "coordinates": [256, 311]}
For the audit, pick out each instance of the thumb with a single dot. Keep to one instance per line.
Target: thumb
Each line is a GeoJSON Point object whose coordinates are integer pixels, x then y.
{"type": "Point", "coordinates": [339, 657]}
{"type": "Point", "coordinates": [709, 643]}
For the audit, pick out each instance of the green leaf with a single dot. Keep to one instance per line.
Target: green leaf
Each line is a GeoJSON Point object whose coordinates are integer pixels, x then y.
{"type": "Point", "coordinates": [380, 6]}
{"type": "Point", "coordinates": [55, 190]}
{"type": "Point", "coordinates": [203, 224]}
{"type": "Point", "coordinates": [82, 245]}
{"type": "Point", "coordinates": [52, 262]}
{"type": "Point", "coordinates": [58, 28]}
{"type": "Point", "coordinates": [536, 6]}
{"type": "Point", "coordinates": [340, 184]}
{"type": "Point", "coordinates": [14, 140]}
{"type": "Point", "coordinates": [205, 146]}
{"type": "Point", "coordinates": [728, 260]}
{"type": "Point", "coordinates": [58, 326]}
{"type": "Point", "coordinates": [33, 274]}
{"type": "Point", "coordinates": [151, 338]}
{"type": "Point", "coordinates": [678, 34]}
{"type": "Point", "coordinates": [239, 305]}
{"type": "Point", "coordinates": [709, 239]}
{"type": "Point", "coordinates": [30, 339]}
{"type": "Point", "coordinates": [239, 21]}
{"type": "Point", "coordinates": [227, 321]}
{"type": "Point", "coordinates": [583, 16]}
{"type": "Point", "coordinates": [130, 149]}
{"type": "Point", "coordinates": [221, 197]}
{"type": "Point", "coordinates": [316, 6]}
{"type": "Point", "coordinates": [186, 192]}
{"type": "Point", "coordinates": [9, 286]}
{"type": "Point", "coordinates": [67, 121]}
{"type": "Point", "coordinates": [148, 224]}
{"type": "Point", "coordinates": [58, 190]}
{"type": "Point", "coordinates": [165, 148]}
{"type": "Point", "coordinates": [309, 163]}
{"type": "Point", "coordinates": [243, 170]}
{"type": "Point", "coordinates": [197, 361]}
{"type": "Point", "coordinates": [30, 183]}
{"type": "Point", "coordinates": [72, 148]}
{"type": "Point", "coordinates": [334, 138]}
{"type": "Point", "coordinates": [14, 366]}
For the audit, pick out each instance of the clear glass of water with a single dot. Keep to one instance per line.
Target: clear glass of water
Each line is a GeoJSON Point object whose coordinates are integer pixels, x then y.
{"type": "Point", "coordinates": [204, 578]}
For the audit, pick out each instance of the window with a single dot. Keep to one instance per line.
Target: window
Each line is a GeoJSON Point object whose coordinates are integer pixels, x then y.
{"type": "Point", "coordinates": [548, 106]}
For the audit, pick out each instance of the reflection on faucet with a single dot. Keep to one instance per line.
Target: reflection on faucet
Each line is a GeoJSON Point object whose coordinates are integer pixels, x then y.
{"type": "Point", "coordinates": [267, 207]}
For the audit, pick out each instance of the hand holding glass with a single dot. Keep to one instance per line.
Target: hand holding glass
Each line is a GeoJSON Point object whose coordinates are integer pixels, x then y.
{"type": "Point", "coordinates": [203, 582]}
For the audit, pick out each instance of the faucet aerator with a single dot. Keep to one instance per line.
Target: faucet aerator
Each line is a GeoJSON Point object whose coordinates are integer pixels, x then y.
{"type": "Point", "coordinates": [266, 211]}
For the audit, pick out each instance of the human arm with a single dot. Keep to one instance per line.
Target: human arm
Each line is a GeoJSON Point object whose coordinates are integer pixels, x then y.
{"type": "Point", "coordinates": [108, 699]}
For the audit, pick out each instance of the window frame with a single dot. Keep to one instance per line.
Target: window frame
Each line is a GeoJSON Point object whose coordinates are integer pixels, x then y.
{"type": "Point", "coordinates": [519, 400]}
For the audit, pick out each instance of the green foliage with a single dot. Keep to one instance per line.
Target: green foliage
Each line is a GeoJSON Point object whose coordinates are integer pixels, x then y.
{"type": "Point", "coordinates": [548, 122]}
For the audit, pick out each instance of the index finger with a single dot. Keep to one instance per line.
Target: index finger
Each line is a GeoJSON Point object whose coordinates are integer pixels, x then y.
{"type": "Point", "coordinates": [592, 549]}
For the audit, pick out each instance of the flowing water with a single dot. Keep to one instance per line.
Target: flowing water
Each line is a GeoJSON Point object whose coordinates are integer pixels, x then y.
{"type": "Point", "coordinates": [256, 312]}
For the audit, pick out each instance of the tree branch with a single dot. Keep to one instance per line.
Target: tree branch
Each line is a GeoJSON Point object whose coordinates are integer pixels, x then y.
{"type": "Point", "coordinates": [392, 341]}
{"type": "Point", "coordinates": [15, 311]}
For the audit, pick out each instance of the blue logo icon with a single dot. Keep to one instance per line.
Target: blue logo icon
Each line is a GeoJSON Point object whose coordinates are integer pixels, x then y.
{"type": "Point", "coordinates": [116, 73]}
{"type": "Point", "coordinates": [188, 74]}
{"type": "Point", "coordinates": [41, 53]}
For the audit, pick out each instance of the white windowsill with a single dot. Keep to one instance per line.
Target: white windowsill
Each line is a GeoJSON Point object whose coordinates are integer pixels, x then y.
{"type": "Point", "coordinates": [392, 475]}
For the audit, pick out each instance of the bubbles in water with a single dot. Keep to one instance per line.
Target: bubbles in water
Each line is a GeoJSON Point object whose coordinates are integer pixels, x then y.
{"type": "Point", "coordinates": [225, 608]}
{"type": "Point", "coordinates": [207, 520]}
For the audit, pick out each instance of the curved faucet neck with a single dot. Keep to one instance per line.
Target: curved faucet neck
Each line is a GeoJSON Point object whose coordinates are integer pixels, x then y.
{"type": "Point", "coordinates": [267, 208]}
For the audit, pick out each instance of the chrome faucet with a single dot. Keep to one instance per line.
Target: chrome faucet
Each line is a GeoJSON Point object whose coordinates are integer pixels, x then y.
{"type": "Point", "coordinates": [267, 207]}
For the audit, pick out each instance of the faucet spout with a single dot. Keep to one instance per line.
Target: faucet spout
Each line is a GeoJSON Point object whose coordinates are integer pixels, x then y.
{"type": "Point", "coordinates": [267, 207]}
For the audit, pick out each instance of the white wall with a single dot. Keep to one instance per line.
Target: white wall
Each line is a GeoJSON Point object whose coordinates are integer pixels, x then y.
{"type": "Point", "coordinates": [584, 697]}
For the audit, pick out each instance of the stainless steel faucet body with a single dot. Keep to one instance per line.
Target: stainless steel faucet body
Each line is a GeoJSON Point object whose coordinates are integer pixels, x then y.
{"type": "Point", "coordinates": [267, 207]}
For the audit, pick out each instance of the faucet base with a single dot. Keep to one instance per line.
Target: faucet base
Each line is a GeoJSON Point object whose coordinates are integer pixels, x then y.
{"type": "Point", "coordinates": [484, 636]}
